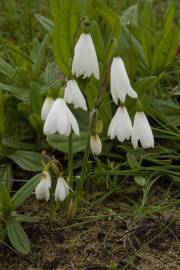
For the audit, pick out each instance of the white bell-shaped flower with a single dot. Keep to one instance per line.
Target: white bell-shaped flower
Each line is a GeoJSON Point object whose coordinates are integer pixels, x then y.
{"type": "Point", "coordinates": [48, 103]}
{"type": "Point", "coordinates": [42, 189]}
{"type": "Point", "coordinates": [62, 190]}
{"type": "Point", "coordinates": [120, 84]}
{"type": "Point", "coordinates": [142, 131]}
{"type": "Point", "coordinates": [96, 145]}
{"type": "Point", "coordinates": [73, 95]}
{"type": "Point", "coordinates": [120, 126]}
{"type": "Point", "coordinates": [60, 119]}
{"type": "Point", "coordinates": [85, 60]}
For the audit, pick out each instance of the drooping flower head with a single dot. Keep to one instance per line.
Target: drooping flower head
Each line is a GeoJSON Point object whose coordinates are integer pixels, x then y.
{"type": "Point", "coordinates": [96, 145]}
{"type": "Point", "coordinates": [142, 131]}
{"type": "Point", "coordinates": [48, 103]}
{"type": "Point", "coordinates": [120, 84]}
{"type": "Point", "coordinates": [62, 190]}
{"type": "Point", "coordinates": [85, 62]}
{"type": "Point", "coordinates": [73, 95]}
{"type": "Point", "coordinates": [42, 189]}
{"type": "Point", "coordinates": [60, 119]}
{"type": "Point", "coordinates": [120, 126]}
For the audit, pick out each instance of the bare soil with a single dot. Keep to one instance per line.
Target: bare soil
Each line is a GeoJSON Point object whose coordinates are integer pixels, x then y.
{"type": "Point", "coordinates": [96, 241]}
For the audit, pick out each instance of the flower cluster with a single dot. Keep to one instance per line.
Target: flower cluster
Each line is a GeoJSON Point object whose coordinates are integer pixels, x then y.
{"type": "Point", "coordinates": [59, 118]}
{"type": "Point", "coordinates": [121, 126]}
{"type": "Point", "coordinates": [42, 190]}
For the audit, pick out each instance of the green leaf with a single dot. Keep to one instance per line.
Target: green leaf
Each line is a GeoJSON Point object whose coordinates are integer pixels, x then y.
{"type": "Point", "coordinates": [130, 15]}
{"type": "Point", "coordinates": [36, 122]}
{"type": "Point", "coordinates": [18, 92]}
{"type": "Point", "coordinates": [16, 144]}
{"type": "Point", "coordinates": [38, 54]}
{"type": "Point", "coordinates": [25, 191]}
{"type": "Point", "coordinates": [27, 160]}
{"type": "Point", "coordinates": [98, 40]}
{"type": "Point", "coordinates": [166, 50]}
{"type": "Point", "coordinates": [110, 17]}
{"type": "Point", "coordinates": [26, 218]}
{"type": "Point", "coordinates": [169, 16]}
{"type": "Point", "coordinates": [66, 21]}
{"type": "Point", "coordinates": [17, 236]}
{"type": "Point", "coordinates": [5, 200]}
{"type": "Point", "coordinates": [6, 176]}
{"type": "Point", "coordinates": [35, 98]}
{"type": "Point", "coordinates": [45, 22]}
{"type": "Point", "coordinates": [60, 142]}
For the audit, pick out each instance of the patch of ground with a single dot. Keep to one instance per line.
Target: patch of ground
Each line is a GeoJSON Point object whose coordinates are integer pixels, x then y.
{"type": "Point", "coordinates": [117, 242]}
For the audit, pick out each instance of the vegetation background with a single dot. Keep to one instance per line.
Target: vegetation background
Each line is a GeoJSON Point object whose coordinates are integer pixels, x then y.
{"type": "Point", "coordinates": [130, 219]}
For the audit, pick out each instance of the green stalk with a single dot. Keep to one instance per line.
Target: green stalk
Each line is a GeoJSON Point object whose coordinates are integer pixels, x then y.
{"type": "Point", "coordinates": [83, 171]}
{"type": "Point", "coordinates": [1, 115]}
{"type": "Point", "coordinates": [52, 203]}
{"type": "Point", "coordinates": [70, 162]}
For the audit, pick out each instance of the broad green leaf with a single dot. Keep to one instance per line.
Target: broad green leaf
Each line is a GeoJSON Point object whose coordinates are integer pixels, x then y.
{"type": "Point", "coordinates": [37, 56]}
{"type": "Point", "coordinates": [36, 122]}
{"type": "Point", "coordinates": [5, 200]}
{"type": "Point", "coordinates": [66, 21]}
{"type": "Point", "coordinates": [169, 16]}
{"type": "Point", "coordinates": [18, 92]}
{"type": "Point", "coordinates": [98, 41]}
{"type": "Point", "coordinates": [6, 176]}
{"type": "Point", "coordinates": [60, 142]}
{"type": "Point", "coordinates": [110, 17]}
{"type": "Point", "coordinates": [85, 7]}
{"type": "Point", "coordinates": [148, 15]}
{"type": "Point", "coordinates": [16, 144]}
{"type": "Point", "coordinates": [2, 115]}
{"type": "Point", "coordinates": [130, 15]}
{"type": "Point", "coordinates": [25, 191]}
{"type": "Point", "coordinates": [7, 69]}
{"type": "Point", "coordinates": [17, 236]}
{"type": "Point", "coordinates": [26, 218]}
{"type": "Point", "coordinates": [27, 160]}
{"type": "Point", "coordinates": [166, 50]}
{"type": "Point", "coordinates": [45, 22]}
{"type": "Point", "coordinates": [35, 98]}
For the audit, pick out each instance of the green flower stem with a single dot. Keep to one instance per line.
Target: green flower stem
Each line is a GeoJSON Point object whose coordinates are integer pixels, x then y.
{"type": "Point", "coordinates": [1, 115]}
{"type": "Point", "coordinates": [52, 202]}
{"type": "Point", "coordinates": [80, 184]}
{"type": "Point", "coordinates": [70, 162]}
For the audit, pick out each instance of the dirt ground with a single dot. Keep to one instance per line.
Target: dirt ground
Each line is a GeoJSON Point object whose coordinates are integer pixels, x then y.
{"type": "Point", "coordinates": [116, 242]}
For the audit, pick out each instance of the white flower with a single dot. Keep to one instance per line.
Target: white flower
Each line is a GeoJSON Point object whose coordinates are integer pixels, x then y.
{"type": "Point", "coordinates": [60, 119]}
{"type": "Point", "coordinates": [120, 84]}
{"type": "Point", "coordinates": [120, 125]}
{"type": "Point", "coordinates": [142, 131]}
{"type": "Point", "coordinates": [96, 145]}
{"type": "Point", "coordinates": [73, 95]}
{"type": "Point", "coordinates": [48, 103]}
{"type": "Point", "coordinates": [42, 189]}
{"type": "Point", "coordinates": [62, 190]}
{"type": "Point", "coordinates": [85, 60]}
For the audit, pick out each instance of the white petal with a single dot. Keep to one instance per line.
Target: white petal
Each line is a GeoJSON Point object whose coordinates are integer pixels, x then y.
{"type": "Point", "coordinates": [96, 145]}
{"type": "Point", "coordinates": [48, 103]}
{"type": "Point", "coordinates": [50, 126]}
{"type": "Point", "coordinates": [85, 60]}
{"type": "Point", "coordinates": [61, 191]}
{"type": "Point", "coordinates": [72, 120]}
{"type": "Point", "coordinates": [142, 131]}
{"type": "Point", "coordinates": [73, 95]}
{"type": "Point", "coordinates": [42, 189]}
{"type": "Point", "coordinates": [120, 84]}
{"type": "Point", "coordinates": [120, 125]}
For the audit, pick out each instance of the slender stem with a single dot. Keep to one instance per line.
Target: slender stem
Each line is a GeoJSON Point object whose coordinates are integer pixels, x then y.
{"type": "Point", "coordinates": [1, 115]}
{"type": "Point", "coordinates": [80, 185]}
{"type": "Point", "coordinates": [70, 162]}
{"type": "Point", "coordinates": [52, 202]}
{"type": "Point", "coordinates": [83, 171]}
